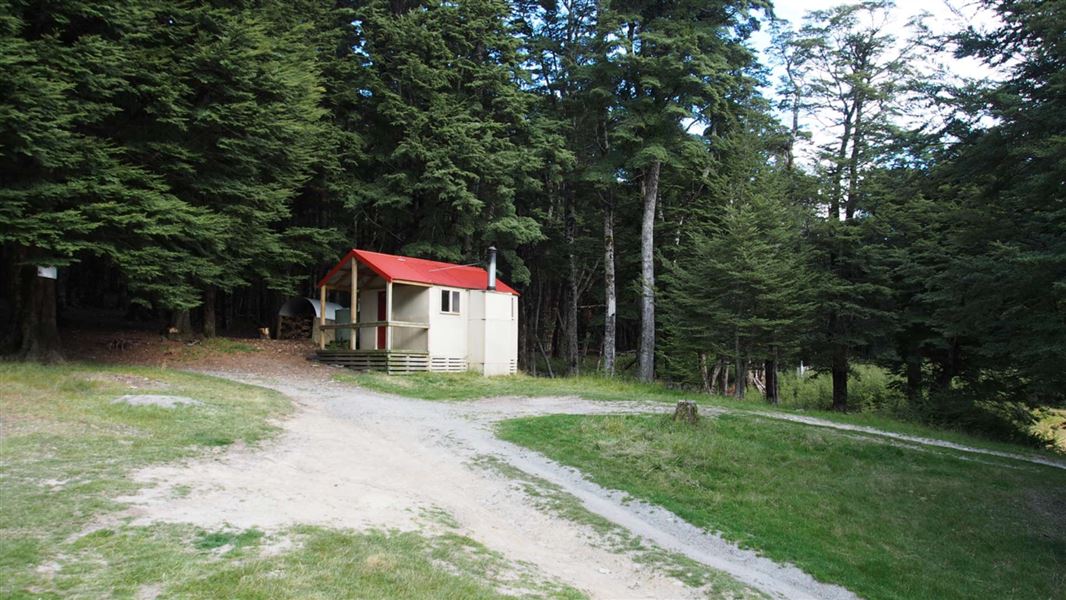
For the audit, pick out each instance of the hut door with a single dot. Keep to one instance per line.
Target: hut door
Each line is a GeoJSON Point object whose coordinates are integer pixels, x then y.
{"type": "Point", "coordinates": [381, 317]}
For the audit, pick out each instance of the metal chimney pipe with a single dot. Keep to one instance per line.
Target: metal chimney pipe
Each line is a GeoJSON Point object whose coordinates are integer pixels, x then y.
{"type": "Point", "coordinates": [492, 267]}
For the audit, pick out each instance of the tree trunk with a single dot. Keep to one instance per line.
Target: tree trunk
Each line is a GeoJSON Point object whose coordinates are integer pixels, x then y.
{"type": "Point", "coordinates": [838, 168]}
{"type": "Point", "coordinates": [686, 412]}
{"type": "Point", "coordinates": [181, 322]}
{"type": "Point", "coordinates": [716, 377]}
{"type": "Point", "coordinates": [840, 380]}
{"type": "Point", "coordinates": [547, 361]}
{"type": "Point", "coordinates": [611, 314]}
{"type": "Point", "coordinates": [755, 378]}
{"type": "Point", "coordinates": [534, 328]}
{"type": "Point", "coordinates": [646, 367]}
{"type": "Point", "coordinates": [209, 312]}
{"type": "Point", "coordinates": [794, 130]}
{"type": "Point", "coordinates": [549, 322]}
{"type": "Point", "coordinates": [11, 286]}
{"type": "Point", "coordinates": [742, 370]}
{"type": "Point", "coordinates": [853, 163]}
{"type": "Point", "coordinates": [949, 367]}
{"type": "Point", "coordinates": [705, 374]}
{"type": "Point", "coordinates": [725, 377]}
{"type": "Point", "coordinates": [523, 336]}
{"type": "Point", "coordinates": [772, 392]}
{"type": "Point", "coordinates": [571, 344]}
{"type": "Point", "coordinates": [914, 380]}
{"type": "Point", "coordinates": [227, 311]}
{"type": "Point", "coordinates": [40, 330]}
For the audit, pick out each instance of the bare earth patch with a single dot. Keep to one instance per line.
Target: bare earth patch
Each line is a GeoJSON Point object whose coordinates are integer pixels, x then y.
{"type": "Point", "coordinates": [264, 357]}
{"type": "Point", "coordinates": [136, 382]}
{"type": "Point", "coordinates": [355, 459]}
{"type": "Point", "coordinates": [159, 400]}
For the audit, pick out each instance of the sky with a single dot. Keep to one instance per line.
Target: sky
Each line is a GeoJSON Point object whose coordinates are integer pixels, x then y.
{"type": "Point", "coordinates": [943, 16]}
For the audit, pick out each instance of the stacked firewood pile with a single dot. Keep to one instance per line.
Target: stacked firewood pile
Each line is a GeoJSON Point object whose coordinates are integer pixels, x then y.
{"type": "Point", "coordinates": [295, 328]}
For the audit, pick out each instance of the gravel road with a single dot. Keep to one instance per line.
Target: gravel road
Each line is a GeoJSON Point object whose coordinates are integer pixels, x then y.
{"type": "Point", "coordinates": [356, 459]}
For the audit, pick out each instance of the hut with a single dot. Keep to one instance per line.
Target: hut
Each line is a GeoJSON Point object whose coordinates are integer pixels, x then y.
{"type": "Point", "coordinates": [413, 314]}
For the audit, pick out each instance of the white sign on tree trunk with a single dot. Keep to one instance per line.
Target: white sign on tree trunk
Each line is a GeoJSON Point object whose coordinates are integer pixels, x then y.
{"type": "Point", "coordinates": [46, 272]}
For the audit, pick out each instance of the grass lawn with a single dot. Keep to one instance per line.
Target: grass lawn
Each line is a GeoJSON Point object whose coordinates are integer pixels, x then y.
{"type": "Point", "coordinates": [548, 496]}
{"type": "Point", "coordinates": [66, 451]}
{"type": "Point", "coordinates": [470, 386]}
{"type": "Point", "coordinates": [882, 520]}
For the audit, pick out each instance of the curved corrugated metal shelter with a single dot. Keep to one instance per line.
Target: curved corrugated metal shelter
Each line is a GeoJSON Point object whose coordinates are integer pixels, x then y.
{"type": "Point", "coordinates": [299, 307]}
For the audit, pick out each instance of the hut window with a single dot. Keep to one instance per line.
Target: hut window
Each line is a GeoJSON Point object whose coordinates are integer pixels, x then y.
{"type": "Point", "coordinates": [449, 301]}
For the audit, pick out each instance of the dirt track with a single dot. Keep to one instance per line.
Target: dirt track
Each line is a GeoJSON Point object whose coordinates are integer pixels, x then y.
{"type": "Point", "coordinates": [356, 459]}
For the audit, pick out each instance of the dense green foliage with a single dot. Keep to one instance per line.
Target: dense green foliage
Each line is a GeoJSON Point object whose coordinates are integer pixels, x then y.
{"type": "Point", "coordinates": [450, 140]}
{"type": "Point", "coordinates": [170, 156]}
{"type": "Point", "coordinates": [882, 520]}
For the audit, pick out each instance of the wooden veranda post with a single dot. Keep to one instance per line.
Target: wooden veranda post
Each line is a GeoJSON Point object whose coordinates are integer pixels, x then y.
{"type": "Point", "coordinates": [388, 315]}
{"type": "Point", "coordinates": [355, 305]}
{"type": "Point", "coordinates": [322, 317]}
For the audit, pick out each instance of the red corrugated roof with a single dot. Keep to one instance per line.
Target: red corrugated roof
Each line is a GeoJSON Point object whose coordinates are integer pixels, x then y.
{"type": "Point", "coordinates": [407, 268]}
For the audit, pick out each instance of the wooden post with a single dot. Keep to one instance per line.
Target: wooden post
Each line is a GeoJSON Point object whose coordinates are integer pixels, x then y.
{"type": "Point", "coordinates": [355, 304]}
{"type": "Point", "coordinates": [388, 315]}
{"type": "Point", "coordinates": [322, 317]}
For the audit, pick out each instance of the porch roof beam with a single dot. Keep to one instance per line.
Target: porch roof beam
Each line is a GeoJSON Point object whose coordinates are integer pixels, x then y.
{"type": "Point", "coordinates": [364, 324]}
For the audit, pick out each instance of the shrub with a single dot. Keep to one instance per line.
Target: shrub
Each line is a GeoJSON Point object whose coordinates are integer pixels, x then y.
{"type": "Point", "coordinates": [870, 388]}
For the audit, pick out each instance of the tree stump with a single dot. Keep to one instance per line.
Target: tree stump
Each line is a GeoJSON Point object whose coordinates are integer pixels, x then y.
{"type": "Point", "coordinates": [686, 411]}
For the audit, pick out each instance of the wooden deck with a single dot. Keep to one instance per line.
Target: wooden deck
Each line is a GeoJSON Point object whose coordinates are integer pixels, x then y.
{"type": "Point", "coordinates": [393, 362]}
